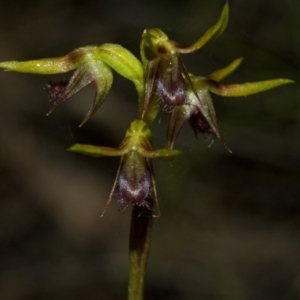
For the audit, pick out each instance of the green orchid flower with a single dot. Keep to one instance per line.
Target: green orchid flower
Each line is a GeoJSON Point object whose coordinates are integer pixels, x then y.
{"type": "Point", "coordinates": [134, 182]}
{"type": "Point", "coordinates": [92, 65]}
{"type": "Point", "coordinates": [199, 109]}
{"type": "Point", "coordinates": [164, 69]}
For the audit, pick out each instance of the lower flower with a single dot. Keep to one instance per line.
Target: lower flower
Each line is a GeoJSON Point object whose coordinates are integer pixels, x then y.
{"type": "Point", "coordinates": [134, 182]}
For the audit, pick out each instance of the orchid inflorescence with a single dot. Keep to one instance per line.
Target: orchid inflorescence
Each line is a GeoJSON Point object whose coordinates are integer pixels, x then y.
{"type": "Point", "coordinates": [163, 84]}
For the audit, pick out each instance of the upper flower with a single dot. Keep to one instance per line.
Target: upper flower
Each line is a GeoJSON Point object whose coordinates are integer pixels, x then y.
{"type": "Point", "coordinates": [164, 70]}
{"type": "Point", "coordinates": [92, 65]}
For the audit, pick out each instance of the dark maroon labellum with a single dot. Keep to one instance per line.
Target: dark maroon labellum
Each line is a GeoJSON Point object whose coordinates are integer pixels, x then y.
{"type": "Point", "coordinates": [55, 90]}
{"type": "Point", "coordinates": [200, 124]}
{"type": "Point", "coordinates": [134, 182]}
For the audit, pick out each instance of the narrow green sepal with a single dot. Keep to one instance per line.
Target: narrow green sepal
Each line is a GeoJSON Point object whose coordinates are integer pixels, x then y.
{"type": "Point", "coordinates": [163, 153]}
{"type": "Point", "coordinates": [96, 151]}
{"type": "Point", "coordinates": [40, 66]}
{"type": "Point", "coordinates": [211, 34]}
{"type": "Point", "coordinates": [220, 74]}
{"type": "Point", "coordinates": [245, 89]}
{"type": "Point", "coordinates": [48, 66]}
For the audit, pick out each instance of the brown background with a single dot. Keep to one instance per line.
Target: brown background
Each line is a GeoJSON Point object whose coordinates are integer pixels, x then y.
{"type": "Point", "coordinates": [230, 223]}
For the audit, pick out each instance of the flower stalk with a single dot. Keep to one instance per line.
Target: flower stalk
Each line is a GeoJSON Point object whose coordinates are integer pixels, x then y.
{"type": "Point", "coordinates": [139, 246]}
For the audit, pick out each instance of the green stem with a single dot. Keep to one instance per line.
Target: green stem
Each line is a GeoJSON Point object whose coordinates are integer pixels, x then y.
{"type": "Point", "coordinates": [140, 237]}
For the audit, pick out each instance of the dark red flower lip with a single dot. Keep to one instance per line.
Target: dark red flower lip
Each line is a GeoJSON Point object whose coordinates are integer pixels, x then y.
{"type": "Point", "coordinates": [134, 181]}
{"type": "Point", "coordinates": [55, 89]}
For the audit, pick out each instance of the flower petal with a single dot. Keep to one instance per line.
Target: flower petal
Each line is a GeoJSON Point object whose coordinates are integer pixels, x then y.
{"type": "Point", "coordinates": [211, 34]}
{"type": "Point", "coordinates": [205, 121]}
{"type": "Point", "coordinates": [97, 151]}
{"type": "Point", "coordinates": [170, 85]}
{"type": "Point", "coordinates": [49, 66]}
{"type": "Point", "coordinates": [245, 89]}
{"type": "Point", "coordinates": [178, 116]}
{"type": "Point", "coordinates": [102, 79]}
{"type": "Point", "coordinates": [224, 72]}
{"type": "Point", "coordinates": [124, 62]}
{"type": "Point", "coordinates": [95, 72]}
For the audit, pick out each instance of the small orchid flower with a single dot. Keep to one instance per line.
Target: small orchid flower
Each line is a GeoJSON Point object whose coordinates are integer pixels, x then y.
{"type": "Point", "coordinates": [199, 109]}
{"type": "Point", "coordinates": [134, 182]}
{"type": "Point", "coordinates": [92, 65]}
{"type": "Point", "coordinates": [164, 70]}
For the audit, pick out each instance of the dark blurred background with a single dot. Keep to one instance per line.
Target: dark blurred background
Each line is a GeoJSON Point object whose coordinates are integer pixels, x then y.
{"type": "Point", "coordinates": [230, 223]}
